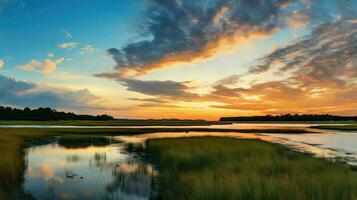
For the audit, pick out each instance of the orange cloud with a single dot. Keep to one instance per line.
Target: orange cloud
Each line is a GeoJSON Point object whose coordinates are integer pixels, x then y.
{"type": "Point", "coordinates": [45, 66]}
{"type": "Point", "coordinates": [2, 63]}
{"type": "Point", "coordinates": [178, 33]}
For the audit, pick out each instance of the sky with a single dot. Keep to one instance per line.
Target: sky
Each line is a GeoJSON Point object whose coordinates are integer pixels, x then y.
{"type": "Point", "coordinates": [182, 59]}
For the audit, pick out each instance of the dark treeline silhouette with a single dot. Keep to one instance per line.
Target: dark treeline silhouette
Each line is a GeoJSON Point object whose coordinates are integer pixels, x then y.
{"type": "Point", "coordinates": [45, 114]}
{"type": "Point", "coordinates": [292, 117]}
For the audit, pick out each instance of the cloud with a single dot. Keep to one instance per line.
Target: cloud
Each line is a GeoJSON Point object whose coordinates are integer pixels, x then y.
{"type": "Point", "coordinates": [169, 89]}
{"type": "Point", "coordinates": [298, 19]}
{"type": "Point", "coordinates": [184, 31]}
{"type": "Point", "coordinates": [149, 100]}
{"type": "Point", "coordinates": [87, 49]}
{"type": "Point", "coordinates": [67, 34]}
{"type": "Point", "coordinates": [153, 102]}
{"type": "Point", "coordinates": [326, 57]}
{"type": "Point", "coordinates": [68, 45]}
{"type": "Point", "coordinates": [2, 63]}
{"type": "Point", "coordinates": [45, 66]}
{"type": "Point", "coordinates": [327, 10]}
{"type": "Point", "coordinates": [10, 87]}
{"type": "Point", "coordinates": [50, 55]}
{"type": "Point", "coordinates": [317, 74]}
{"type": "Point", "coordinates": [21, 93]}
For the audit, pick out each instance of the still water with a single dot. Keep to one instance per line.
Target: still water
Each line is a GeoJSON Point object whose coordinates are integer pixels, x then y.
{"type": "Point", "coordinates": [94, 172]}
{"type": "Point", "coordinates": [117, 171]}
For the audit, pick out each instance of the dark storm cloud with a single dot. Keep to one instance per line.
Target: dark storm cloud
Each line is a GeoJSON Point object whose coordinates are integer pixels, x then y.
{"type": "Point", "coordinates": [20, 93]}
{"type": "Point", "coordinates": [170, 89]}
{"type": "Point", "coordinates": [185, 30]}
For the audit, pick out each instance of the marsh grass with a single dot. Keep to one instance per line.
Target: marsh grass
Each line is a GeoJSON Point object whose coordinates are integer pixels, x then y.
{"type": "Point", "coordinates": [11, 163]}
{"type": "Point", "coordinates": [222, 168]}
{"type": "Point", "coordinates": [12, 140]}
{"type": "Point", "coordinates": [82, 141]}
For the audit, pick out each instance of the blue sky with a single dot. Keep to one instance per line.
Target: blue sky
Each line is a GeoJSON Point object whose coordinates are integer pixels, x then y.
{"type": "Point", "coordinates": [31, 29]}
{"type": "Point", "coordinates": [177, 58]}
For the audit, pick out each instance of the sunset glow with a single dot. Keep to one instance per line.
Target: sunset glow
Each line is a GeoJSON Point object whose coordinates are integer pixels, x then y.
{"type": "Point", "coordinates": [180, 59]}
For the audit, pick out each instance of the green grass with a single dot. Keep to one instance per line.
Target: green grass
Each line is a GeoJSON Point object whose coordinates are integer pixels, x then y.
{"type": "Point", "coordinates": [11, 162]}
{"type": "Point", "coordinates": [351, 127]}
{"type": "Point", "coordinates": [222, 168]}
{"type": "Point", "coordinates": [12, 140]}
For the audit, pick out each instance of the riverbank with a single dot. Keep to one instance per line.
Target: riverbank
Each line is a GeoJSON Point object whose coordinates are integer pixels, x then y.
{"type": "Point", "coordinates": [351, 127]}
{"type": "Point", "coordinates": [223, 168]}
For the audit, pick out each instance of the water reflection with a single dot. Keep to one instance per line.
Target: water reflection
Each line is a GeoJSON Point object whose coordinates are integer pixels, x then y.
{"type": "Point", "coordinates": [94, 172]}
{"type": "Point", "coordinates": [73, 158]}
{"type": "Point", "coordinates": [132, 180]}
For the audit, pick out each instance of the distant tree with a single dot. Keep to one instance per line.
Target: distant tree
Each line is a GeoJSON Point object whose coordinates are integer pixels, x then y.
{"type": "Point", "coordinates": [45, 114]}
{"type": "Point", "coordinates": [292, 117]}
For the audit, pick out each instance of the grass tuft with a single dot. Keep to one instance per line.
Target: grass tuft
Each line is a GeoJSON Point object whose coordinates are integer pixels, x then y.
{"type": "Point", "coordinates": [82, 141]}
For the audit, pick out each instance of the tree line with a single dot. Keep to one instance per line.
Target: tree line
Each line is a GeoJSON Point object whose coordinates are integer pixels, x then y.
{"type": "Point", "coordinates": [45, 114]}
{"type": "Point", "coordinates": [292, 117]}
